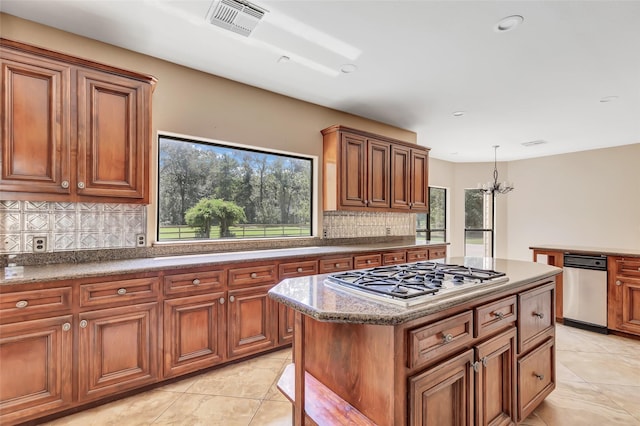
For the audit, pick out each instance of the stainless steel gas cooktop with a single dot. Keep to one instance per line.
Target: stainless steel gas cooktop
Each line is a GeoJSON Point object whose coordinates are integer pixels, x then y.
{"type": "Point", "coordinates": [414, 283]}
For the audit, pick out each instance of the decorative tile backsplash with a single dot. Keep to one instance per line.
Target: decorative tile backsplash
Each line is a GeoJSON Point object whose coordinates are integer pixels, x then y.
{"type": "Point", "coordinates": [340, 224]}
{"type": "Point", "coordinates": [69, 226]}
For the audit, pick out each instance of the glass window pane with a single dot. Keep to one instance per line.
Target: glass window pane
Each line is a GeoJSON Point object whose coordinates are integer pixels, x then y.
{"type": "Point", "coordinates": [437, 209]}
{"type": "Point", "coordinates": [473, 209]}
{"type": "Point", "coordinates": [477, 243]}
{"type": "Point", "coordinates": [213, 191]}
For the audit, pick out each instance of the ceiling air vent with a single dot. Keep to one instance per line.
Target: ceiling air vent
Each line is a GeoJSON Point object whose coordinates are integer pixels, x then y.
{"type": "Point", "coordinates": [533, 143]}
{"type": "Point", "coordinates": [238, 16]}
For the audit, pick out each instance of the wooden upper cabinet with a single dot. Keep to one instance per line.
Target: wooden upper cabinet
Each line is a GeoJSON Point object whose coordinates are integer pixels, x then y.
{"type": "Point", "coordinates": [368, 172]}
{"type": "Point", "coordinates": [73, 130]}
{"type": "Point", "coordinates": [35, 124]}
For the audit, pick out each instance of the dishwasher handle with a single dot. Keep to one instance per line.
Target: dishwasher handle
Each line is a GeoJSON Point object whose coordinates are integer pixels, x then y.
{"type": "Point", "coordinates": [581, 261]}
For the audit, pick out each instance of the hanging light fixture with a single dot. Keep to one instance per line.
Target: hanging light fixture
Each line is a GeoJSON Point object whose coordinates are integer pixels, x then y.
{"type": "Point", "coordinates": [495, 187]}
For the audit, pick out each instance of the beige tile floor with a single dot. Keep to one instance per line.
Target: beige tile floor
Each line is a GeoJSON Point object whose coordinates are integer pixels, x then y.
{"type": "Point", "coordinates": [598, 385]}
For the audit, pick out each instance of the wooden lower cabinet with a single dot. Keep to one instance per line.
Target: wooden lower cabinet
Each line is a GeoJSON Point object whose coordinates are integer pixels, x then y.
{"type": "Point", "coordinates": [624, 295]}
{"type": "Point", "coordinates": [443, 395]}
{"type": "Point", "coordinates": [536, 377]}
{"type": "Point", "coordinates": [250, 321]}
{"type": "Point", "coordinates": [496, 380]}
{"type": "Point", "coordinates": [118, 350]}
{"type": "Point", "coordinates": [194, 333]}
{"type": "Point", "coordinates": [36, 359]}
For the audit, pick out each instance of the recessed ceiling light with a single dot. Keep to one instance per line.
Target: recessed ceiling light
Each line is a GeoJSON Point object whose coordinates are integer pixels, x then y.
{"type": "Point", "coordinates": [608, 99]}
{"type": "Point", "coordinates": [508, 23]}
{"type": "Point", "coordinates": [458, 113]}
{"type": "Point", "coordinates": [348, 68]}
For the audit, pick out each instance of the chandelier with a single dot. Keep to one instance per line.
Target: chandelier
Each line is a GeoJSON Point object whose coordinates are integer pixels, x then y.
{"type": "Point", "coordinates": [495, 187]}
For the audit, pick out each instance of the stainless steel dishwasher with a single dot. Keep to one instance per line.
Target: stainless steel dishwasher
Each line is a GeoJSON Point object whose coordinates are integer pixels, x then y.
{"type": "Point", "coordinates": [584, 296]}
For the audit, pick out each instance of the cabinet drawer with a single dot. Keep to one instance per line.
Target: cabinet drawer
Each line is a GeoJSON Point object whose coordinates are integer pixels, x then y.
{"type": "Point", "coordinates": [253, 275]}
{"type": "Point", "coordinates": [417, 255]}
{"type": "Point", "coordinates": [367, 261]}
{"type": "Point", "coordinates": [121, 292]}
{"type": "Point", "coordinates": [536, 315]}
{"type": "Point", "coordinates": [46, 301]}
{"type": "Point", "coordinates": [394, 258]}
{"type": "Point", "coordinates": [628, 267]}
{"type": "Point", "coordinates": [437, 253]}
{"type": "Point", "coordinates": [536, 377]}
{"type": "Point", "coordinates": [297, 269]}
{"type": "Point", "coordinates": [194, 282]}
{"type": "Point", "coordinates": [495, 316]}
{"type": "Point", "coordinates": [336, 264]}
{"type": "Point", "coordinates": [428, 343]}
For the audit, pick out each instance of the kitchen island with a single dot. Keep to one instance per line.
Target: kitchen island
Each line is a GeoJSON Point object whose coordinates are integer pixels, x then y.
{"type": "Point", "coordinates": [483, 355]}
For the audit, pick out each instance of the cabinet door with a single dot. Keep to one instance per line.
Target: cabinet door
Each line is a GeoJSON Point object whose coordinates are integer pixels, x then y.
{"type": "Point", "coordinates": [194, 330]}
{"type": "Point", "coordinates": [113, 136]}
{"type": "Point", "coordinates": [35, 125]}
{"type": "Point", "coordinates": [251, 321]}
{"type": "Point", "coordinates": [496, 380]}
{"type": "Point", "coordinates": [377, 174]}
{"type": "Point", "coordinates": [400, 169]}
{"type": "Point", "coordinates": [536, 377]}
{"type": "Point", "coordinates": [35, 368]}
{"type": "Point", "coordinates": [419, 180]}
{"type": "Point", "coordinates": [443, 395]}
{"type": "Point", "coordinates": [286, 318]}
{"type": "Point", "coordinates": [627, 303]}
{"type": "Point", "coordinates": [117, 350]}
{"type": "Point", "coordinates": [353, 177]}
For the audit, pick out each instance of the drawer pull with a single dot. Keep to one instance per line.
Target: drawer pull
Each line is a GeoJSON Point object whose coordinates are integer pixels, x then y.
{"type": "Point", "coordinates": [299, 269]}
{"type": "Point", "coordinates": [196, 281]}
{"type": "Point", "coordinates": [538, 314]}
{"type": "Point", "coordinates": [122, 291]}
{"type": "Point", "coordinates": [447, 338]}
{"type": "Point", "coordinates": [232, 299]}
{"type": "Point", "coordinates": [66, 326]}
{"type": "Point", "coordinates": [368, 261]}
{"type": "Point", "coordinates": [337, 265]}
{"type": "Point", "coordinates": [221, 300]}
{"type": "Point", "coordinates": [498, 315]}
{"type": "Point", "coordinates": [476, 366]}
{"type": "Point", "coordinates": [254, 275]}
{"type": "Point", "coordinates": [21, 304]}
{"type": "Point", "coordinates": [618, 282]}
{"type": "Point", "coordinates": [395, 258]}
{"type": "Point", "coordinates": [83, 324]}
{"type": "Point", "coordinates": [539, 376]}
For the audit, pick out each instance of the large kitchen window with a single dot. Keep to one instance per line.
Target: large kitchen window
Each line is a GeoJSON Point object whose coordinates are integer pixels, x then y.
{"type": "Point", "coordinates": [211, 191]}
{"type": "Point", "coordinates": [433, 226]}
{"type": "Point", "coordinates": [478, 223]}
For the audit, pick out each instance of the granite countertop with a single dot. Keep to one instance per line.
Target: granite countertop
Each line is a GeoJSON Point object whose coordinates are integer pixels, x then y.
{"type": "Point", "coordinates": [65, 271]}
{"type": "Point", "coordinates": [325, 301]}
{"type": "Point", "coordinates": [589, 250]}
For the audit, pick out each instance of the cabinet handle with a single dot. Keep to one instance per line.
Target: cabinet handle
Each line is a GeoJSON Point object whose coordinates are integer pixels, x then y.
{"type": "Point", "coordinates": [485, 361]}
{"type": "Point", "coordinates": [299, 270]}
{"type": "Point", "coordinates": [196, 281]}
{"type": "Point", "coordinates": [618, 282]}
{"type": "Point", "coordinates": [232, 299]}
{"type": "Point", "coordinates": [254, 275]}
{"type": "Point", "coordinates": [368, 261]}
{"type": "Point", "coordinates": [337, 265]}
{"type": "Point", "coordinates": [446, 338]}
{"type": "Point", "coordinates": [65, 184]}
{"type": "Point", "coordinates": [395, 258]}
{"type": "Point", "coordinates": [122, 291]}
{"type": "Point", "coordinates": [498, 315]}
{"type": "Point", "coordinates": [21, 304]}
{"type": "Point", "coordinates": [221, 300]}
{"type": "Point", "coordinates": [66, 326]}
{"type": "Point", "coordinates": [539, 376]}
{"type": "Point", "coordinates": [476, 366]}
{"type": "Point", "coordinates": [83, 324]}
{"type": "Point", "coordinates": [366, 202]}
{"type": "Point", "coordinates": [538, 314]}
{"type": "Point", "coordinates": [80, 185]}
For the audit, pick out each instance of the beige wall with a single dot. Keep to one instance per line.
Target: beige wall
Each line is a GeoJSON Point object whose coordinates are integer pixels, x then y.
{"type": "Point", "coordinates": [193, 103]}
{"type": "Point", "coordinates": [588, 198]}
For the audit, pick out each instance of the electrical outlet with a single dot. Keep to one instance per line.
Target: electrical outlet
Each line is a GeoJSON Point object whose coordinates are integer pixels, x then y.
{"type": "Point", "coordinates": [388, 231]}
{"type": "Point", "coordinates": [324, 233]}
{"type": "Point", "coordinates": [39, 244]}
{"type": "Point", "coordinates": [141, 240]}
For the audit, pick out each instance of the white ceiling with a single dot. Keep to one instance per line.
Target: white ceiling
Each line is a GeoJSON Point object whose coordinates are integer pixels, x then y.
{"type": "Point", "coordinates": [417, 62]}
